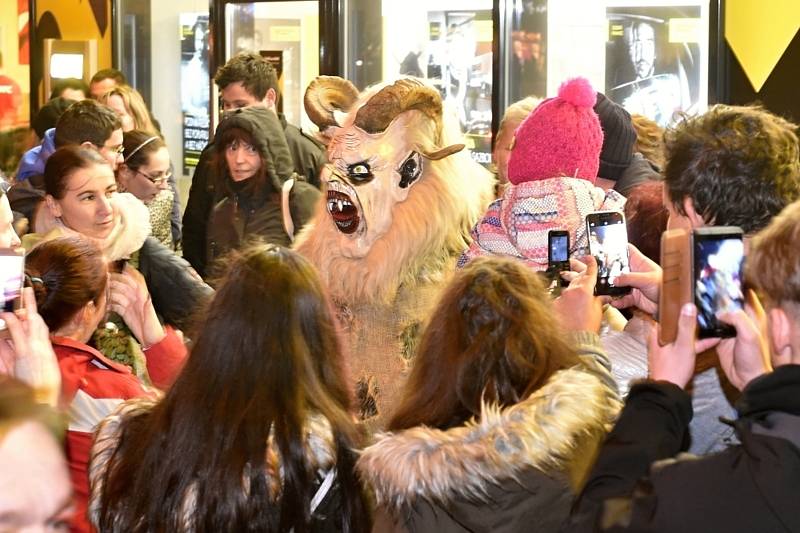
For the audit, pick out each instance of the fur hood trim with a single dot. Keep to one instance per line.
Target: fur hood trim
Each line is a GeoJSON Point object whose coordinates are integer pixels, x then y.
{"type": "Point", "coordinates": [131, 230]}
{"type": "Point", "coordinates": [542, 432]}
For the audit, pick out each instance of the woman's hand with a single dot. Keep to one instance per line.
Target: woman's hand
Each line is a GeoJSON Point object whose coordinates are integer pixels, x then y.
{"type": "Point", "coordinates": [28, 354]}
{"type": "Point", "coordinates": [130, 299]}
{"type": "Point", "coordinates": [645, 281]}
{"type": "Point", "coordinates": [577, 306]}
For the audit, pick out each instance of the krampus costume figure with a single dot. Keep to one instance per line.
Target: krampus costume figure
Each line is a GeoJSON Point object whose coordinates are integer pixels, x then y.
{"type": "Point", "coordinates": [402, 196]}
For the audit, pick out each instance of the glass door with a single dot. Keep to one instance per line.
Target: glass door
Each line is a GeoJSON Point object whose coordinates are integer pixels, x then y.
{"type": "Point", "coordinates": [287, 34]}
{"type": "Point", "coordinates": [448, 42]}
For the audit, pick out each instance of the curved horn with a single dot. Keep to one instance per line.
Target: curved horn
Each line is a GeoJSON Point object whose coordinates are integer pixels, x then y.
{"type": "Point", "coordinates": [326, 94]}
{"type": "Point", "coordinates": [402, 95]}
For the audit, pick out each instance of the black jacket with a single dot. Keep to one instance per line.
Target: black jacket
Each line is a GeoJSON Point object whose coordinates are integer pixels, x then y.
{"type": "Point", "coordinates": [752, 487]}
{"type": "Point", "coordinates": [177, 294]}
{"type": "Point", "coordinates": [639, 171]}
{"type": "Point", "coordinates": [307, 156]}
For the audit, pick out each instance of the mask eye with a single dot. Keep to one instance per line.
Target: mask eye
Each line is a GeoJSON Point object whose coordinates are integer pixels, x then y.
{"type": "Point", "coordinates": [359, 173]}
{"type": "Point", "coordinates": [410, 170]}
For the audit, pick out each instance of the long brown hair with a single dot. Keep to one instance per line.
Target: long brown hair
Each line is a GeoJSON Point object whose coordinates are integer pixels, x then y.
{"type": "Point", "coordinates": [267, 356]}
{"type": "Point", "coordinates": [493, 337]}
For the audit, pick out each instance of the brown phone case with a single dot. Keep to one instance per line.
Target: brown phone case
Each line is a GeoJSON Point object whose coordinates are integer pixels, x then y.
{"type": "Point", "coordinates": [676, 281]}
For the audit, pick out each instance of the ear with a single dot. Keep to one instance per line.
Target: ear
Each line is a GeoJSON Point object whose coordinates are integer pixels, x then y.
{"type": "Point", "coordinates": [781, 335]}
{"type": "Point", "coordinates": [270, 99]}
{"type": "Point", "coordinates": [694, 217]}
{"type": "Point", "coordinates": [53, 206]}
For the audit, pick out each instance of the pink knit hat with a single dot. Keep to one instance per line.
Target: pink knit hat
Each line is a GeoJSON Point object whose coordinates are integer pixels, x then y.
{"type": "Point", "coordinates": [561, 137]}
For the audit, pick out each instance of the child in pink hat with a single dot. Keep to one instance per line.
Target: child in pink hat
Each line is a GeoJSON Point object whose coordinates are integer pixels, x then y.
{"type": "Point", "coordinates": [552, 169]}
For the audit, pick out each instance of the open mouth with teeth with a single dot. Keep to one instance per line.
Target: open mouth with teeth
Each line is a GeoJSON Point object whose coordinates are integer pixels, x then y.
{"type": "Point", "coordinates": [344, 211]}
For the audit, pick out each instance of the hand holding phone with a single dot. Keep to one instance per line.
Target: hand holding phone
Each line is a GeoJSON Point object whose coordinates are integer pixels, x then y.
{"type": "Point", "coordinates": [702, 267]}
{"type": "Point", "coordinates": [608, 244]}
{"type": "Point", "coordinates": [558, 254]}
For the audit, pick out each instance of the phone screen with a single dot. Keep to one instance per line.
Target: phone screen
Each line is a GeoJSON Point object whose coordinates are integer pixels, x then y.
{"type": "Point", "coordinates": [11, 272]}
{"type": "Point", "coordinates": [608, 242]}
{"type": "Point", "coordinates": [559, 248]}
{"type": "Point", "coordinates": [718, 282]}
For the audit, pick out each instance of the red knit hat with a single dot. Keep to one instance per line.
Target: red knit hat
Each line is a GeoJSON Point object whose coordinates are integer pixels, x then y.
{"type": "Point", "coordinates": [561, 137]}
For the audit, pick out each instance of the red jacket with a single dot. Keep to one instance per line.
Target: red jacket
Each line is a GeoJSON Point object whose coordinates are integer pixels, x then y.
{"type": "Point", "coordinates": [92, 386]}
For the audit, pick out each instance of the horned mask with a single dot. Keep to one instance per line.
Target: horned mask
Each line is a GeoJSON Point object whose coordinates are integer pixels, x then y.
{"type": "Point", "coordinates": [379, 147]}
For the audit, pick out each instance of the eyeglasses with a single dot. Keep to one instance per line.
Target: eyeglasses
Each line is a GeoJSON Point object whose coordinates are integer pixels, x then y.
{"type": "Point", "coordinates": [158, 179]}
{"type": "Point", "coordinates": [116, 149]}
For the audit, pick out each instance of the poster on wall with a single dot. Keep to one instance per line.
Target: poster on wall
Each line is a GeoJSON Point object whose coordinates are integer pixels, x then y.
{"type": "Point", "coordinates": [527, 69]}
{"type": "Point", "coordinates": [195, 82]}
{"type": "Point", "coordinates": [459, 63]}
{"type": "Point", "coordinates": [657, 58]}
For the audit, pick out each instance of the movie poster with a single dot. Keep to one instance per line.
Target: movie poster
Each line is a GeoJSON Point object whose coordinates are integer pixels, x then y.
{"type": "Point", "coordinates": [527, 69]}
{"type": "Point", "coordinates": [195, 83]}
{"type": "Point", "coordinates": [657, 60]}
{"type": "Point", "coordinates": [459, 62]}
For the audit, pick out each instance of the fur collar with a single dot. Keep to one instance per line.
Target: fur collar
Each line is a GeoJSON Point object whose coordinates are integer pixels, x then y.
{"type": "Point", "coordinates": [130, 231]}
{"type": "Point", "coordinates": [543, 432]}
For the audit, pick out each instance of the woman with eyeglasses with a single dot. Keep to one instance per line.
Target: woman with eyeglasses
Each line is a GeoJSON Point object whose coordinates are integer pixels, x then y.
{"type": "Point", "coordinates": [74, 290]}
{"type": "Point", "coordinates": [82, 198]}
{"type": "Point", "coordinates": [145, 173]}
{"type": "Point", "coordinates": [129, 105]}
{"type": "Point", "coordinates": [257, 195]}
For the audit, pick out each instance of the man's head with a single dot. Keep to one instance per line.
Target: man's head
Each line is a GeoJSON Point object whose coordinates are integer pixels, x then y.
{"type": "Point", "coordinates": [642, 48]}
{"type": "Point", "coordinates": [247, 79]}
{"type": "Point", "coordinates": [71, 88]}
{"type": "Point", "coordinates": [773, 269]}
{"type": "Point", "coordinates": [732, 166]}
{"type": "Point", "coordinates": [87, 122]}
{"type": "Point", "coordinates": [105, 79]}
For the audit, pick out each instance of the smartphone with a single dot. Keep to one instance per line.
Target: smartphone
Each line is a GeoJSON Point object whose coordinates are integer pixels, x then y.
{"type": "Point", "coordinates": [558, 253]}
{"type": "Point", "coordinates": [608, 243]}
{"type": "Point", "coordinates": [717, 259]}
{"type": "Point", "coordinates": [12, 276]}
{"type": "Point", "coordinates": [677, 283]}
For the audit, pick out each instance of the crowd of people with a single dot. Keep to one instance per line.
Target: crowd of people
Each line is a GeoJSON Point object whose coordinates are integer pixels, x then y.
{"type": "Point", "coordinates": [172, 372]}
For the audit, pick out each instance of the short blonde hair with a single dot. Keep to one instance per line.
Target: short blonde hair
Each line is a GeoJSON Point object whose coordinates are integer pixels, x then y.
{"type": "Point", "coordinates": [773, 263]}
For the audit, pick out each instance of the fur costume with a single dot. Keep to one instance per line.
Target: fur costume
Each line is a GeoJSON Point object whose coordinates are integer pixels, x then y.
{"type": "Point", "coordinates": [401, 199]}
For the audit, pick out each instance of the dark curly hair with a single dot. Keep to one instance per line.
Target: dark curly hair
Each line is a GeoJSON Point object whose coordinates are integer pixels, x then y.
{"type": "Point", "coordinates": [739, 165]}
{"type": "Point", "coordinates": [256, 74]}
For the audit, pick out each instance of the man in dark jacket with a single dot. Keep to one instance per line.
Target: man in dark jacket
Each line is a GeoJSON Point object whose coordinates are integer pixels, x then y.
{"type": "Point", "coordinates": [750, 487]}
{"type": "Point", "coordinates": [245, 80]}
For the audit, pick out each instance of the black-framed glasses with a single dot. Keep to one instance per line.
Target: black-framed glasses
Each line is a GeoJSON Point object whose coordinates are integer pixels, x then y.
{"type": "Point", "coordinates": [158, 179]}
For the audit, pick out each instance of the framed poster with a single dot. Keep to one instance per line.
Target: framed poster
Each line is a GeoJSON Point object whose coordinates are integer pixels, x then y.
{"type": "Point", "coordinates": [651, 57]}
{"type": "Point", "coordinates": [194, 86]}
{"type": "Point", "coordinates": [657, 58]}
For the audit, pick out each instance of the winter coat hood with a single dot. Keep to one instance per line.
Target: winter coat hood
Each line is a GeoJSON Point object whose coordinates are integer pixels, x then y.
{"type": "Point", "coordinates": [33, 161]}
{"type": "Point", "coordinates": [265, 128]}
{"type": "Point", "coordinates": [543, 432]}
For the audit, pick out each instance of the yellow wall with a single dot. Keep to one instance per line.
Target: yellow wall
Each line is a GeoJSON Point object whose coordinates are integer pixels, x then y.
{"type": "Point", "coordinates": [9, 31]}
{"type": "Point", "coordinates": [77, 22]}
